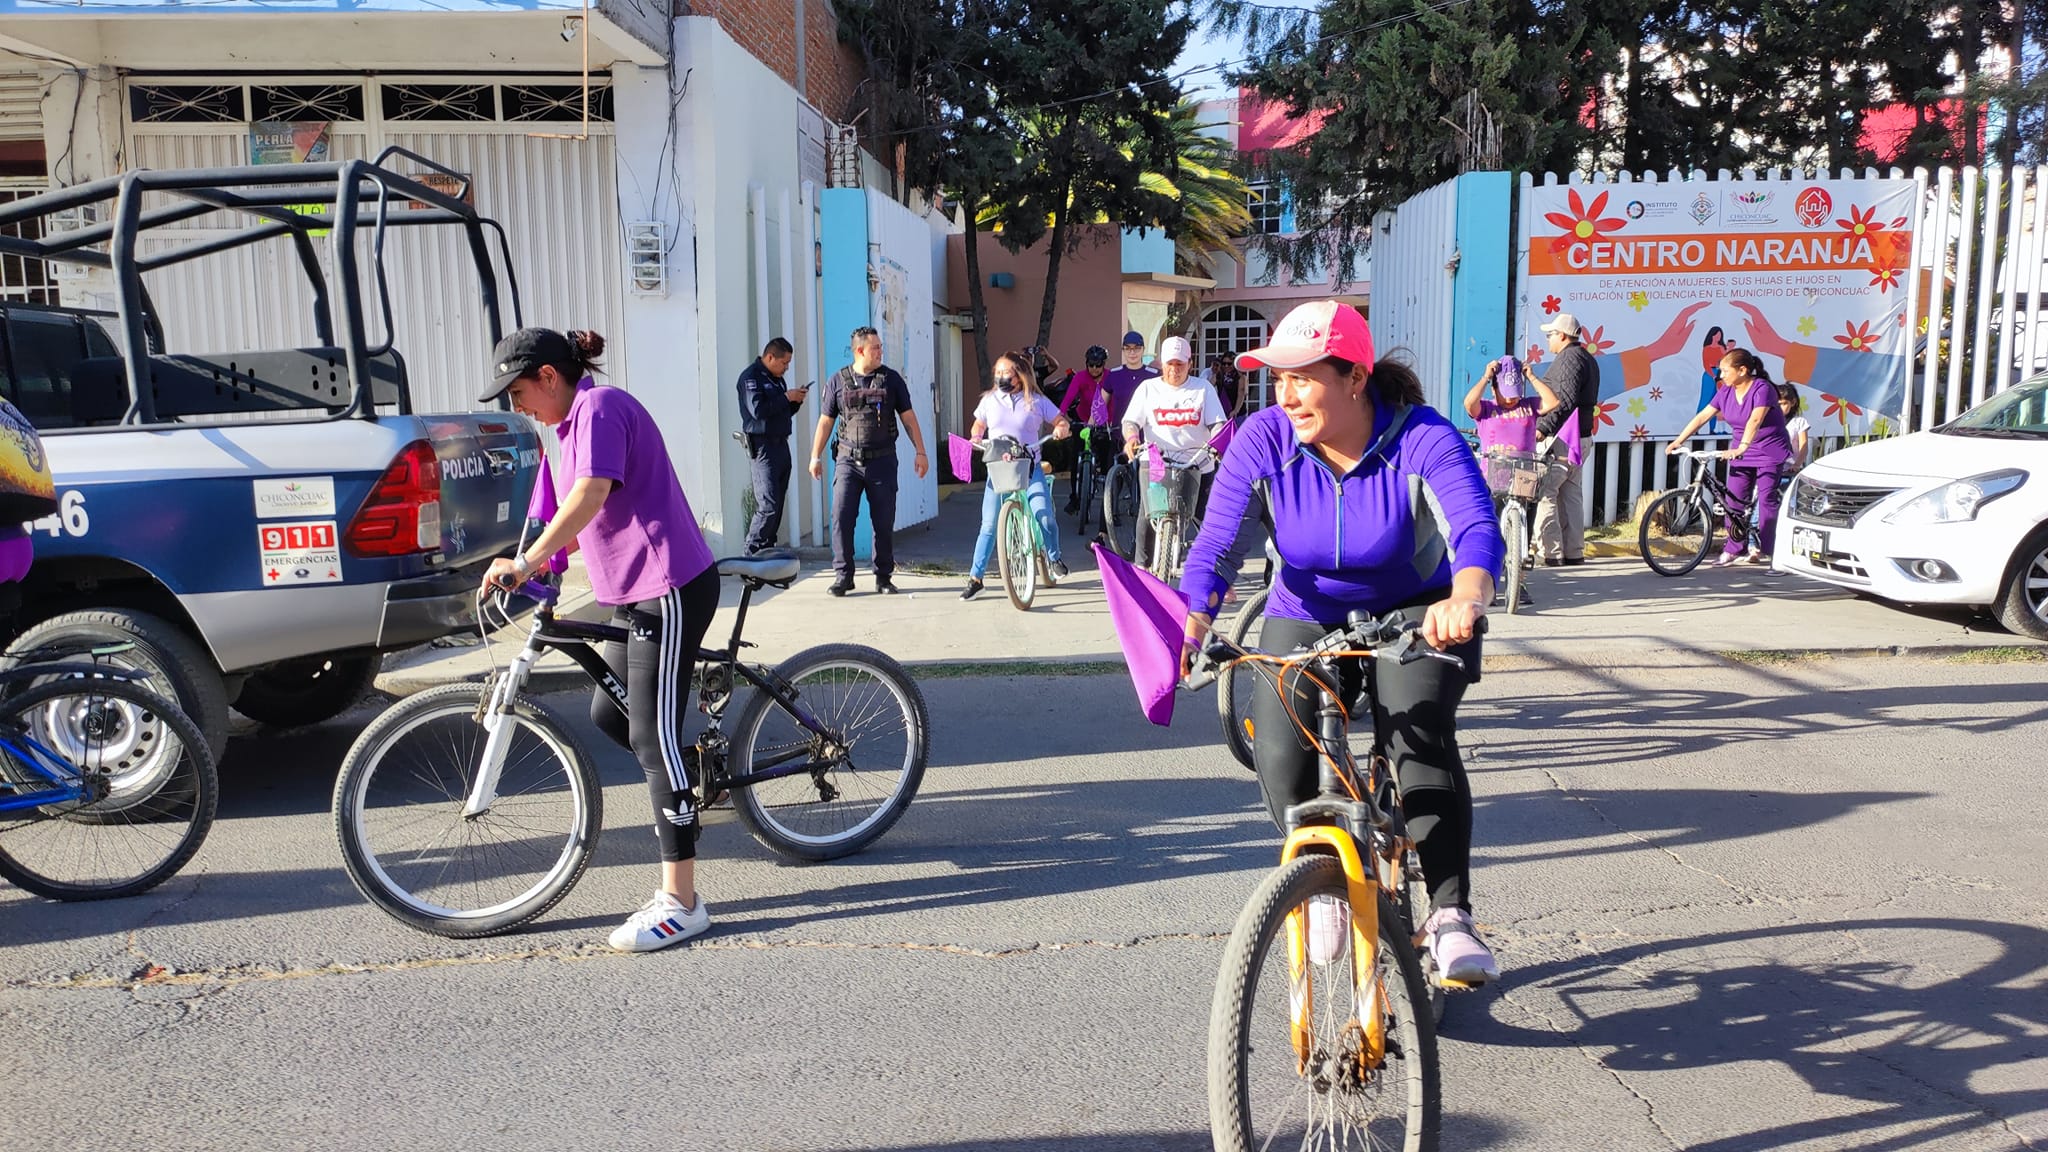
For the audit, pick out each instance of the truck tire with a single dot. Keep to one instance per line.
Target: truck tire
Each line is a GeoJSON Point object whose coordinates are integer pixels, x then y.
{"type": "Point", "coordinates": [177, 665]}
{"type": "Point", "coordinates": [307, 690]}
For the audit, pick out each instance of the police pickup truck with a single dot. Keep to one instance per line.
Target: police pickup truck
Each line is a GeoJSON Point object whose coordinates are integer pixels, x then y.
{"type": "Point", "coordinates": [260, 525]}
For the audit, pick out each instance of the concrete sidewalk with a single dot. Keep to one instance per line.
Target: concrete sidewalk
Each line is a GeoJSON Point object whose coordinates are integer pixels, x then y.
{"type": "Point", "coordinates": [1608, 611]}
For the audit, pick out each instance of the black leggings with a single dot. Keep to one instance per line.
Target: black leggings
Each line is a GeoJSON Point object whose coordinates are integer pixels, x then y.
{"type": "Point", "coordinates": [1416, 713]}
{"type": "Point", "coordinates": [655, 662]}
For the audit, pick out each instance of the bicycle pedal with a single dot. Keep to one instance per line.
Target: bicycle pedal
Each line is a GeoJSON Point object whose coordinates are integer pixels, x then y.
{"type": "Point", "coordinates": [1451, 985]}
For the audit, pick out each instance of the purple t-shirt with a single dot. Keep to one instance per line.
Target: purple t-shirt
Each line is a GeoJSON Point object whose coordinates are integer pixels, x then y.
{"type": "Point", "coordinates": [1772, 447]}
{"type": "Point", "coordinates": [1120, 384]}
{"type": "Point", "coordinates": [644, 540]}
{"type": "Point", "coordinates": [1370, 539]}
{"type": "Point", "coordinates": [1511, 425]}
{"type": "Point", "coordinates": [1020, 416]}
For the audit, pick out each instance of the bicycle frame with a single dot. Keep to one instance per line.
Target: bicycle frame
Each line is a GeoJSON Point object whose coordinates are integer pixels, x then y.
{"type": "Point", "coordinates": [43, 762]}
{"type": "Point", "coordinates": [575, 639]}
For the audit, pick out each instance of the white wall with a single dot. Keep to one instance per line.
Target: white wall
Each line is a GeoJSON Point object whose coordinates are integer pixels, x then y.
{"type": "Point", "coordinates": [737, 149]}
{"type": "Point", "coordinates": [899, 243]}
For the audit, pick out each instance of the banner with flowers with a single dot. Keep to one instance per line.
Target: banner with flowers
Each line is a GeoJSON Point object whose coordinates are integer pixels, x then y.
{"type": "Point", "coordinates": [1666, 278]}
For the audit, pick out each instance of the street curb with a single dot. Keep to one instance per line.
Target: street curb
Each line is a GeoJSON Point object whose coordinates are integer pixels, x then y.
{"type": "Point", "coordinates": [547, 681]}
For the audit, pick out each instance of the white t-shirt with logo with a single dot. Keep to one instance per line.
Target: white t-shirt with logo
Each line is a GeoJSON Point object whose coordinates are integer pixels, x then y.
{"type": "Point", "coordinates": [1176, 419]}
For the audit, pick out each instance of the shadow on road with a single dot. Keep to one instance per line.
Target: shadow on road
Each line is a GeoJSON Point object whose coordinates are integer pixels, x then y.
{"type": "Point", "coordinates": [1931, 1046]}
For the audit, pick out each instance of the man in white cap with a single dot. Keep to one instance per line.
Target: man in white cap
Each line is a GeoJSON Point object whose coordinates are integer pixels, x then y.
{"type": "Point", "coordinates": [1575, 378]}
{"type": "Point", "coordinates": [1177, 413]}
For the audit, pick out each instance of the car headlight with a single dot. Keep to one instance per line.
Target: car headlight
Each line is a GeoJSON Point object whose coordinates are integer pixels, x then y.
{"type": "Point", "coordinates": [1959, 500]}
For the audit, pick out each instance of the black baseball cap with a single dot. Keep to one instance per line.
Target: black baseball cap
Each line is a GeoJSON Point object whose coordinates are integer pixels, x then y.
{"type": "Point", "coordinates": [522, 354]}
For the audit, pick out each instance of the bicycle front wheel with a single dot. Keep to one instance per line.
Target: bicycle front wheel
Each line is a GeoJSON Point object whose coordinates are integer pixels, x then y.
{"type": "Point", "coordinates": [132, 783]}
{"type": "Point", "coordinates": [1676, 533]}
{"type": "Point", "coordinates": [1287, 1065]}
{"type": "Point", "coordinates": [406, 843]}
{"type": "Point", "coordinates": [863, 768]}
{"type": "Point", "coordinates": [1236, 684]}
{"type": "Point", "coordinates": [1166, 548]}
{"type": "Point", "coordinates": [1514, 529]}
{"type": "Point", "coordinates": [1121, 511]}
{"type": "Point", "coordinates": [1014, 557]}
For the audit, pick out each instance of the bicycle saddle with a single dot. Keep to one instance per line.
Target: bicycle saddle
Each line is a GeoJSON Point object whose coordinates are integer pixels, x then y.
{"type": "Point", "coordinates": [771, 567]}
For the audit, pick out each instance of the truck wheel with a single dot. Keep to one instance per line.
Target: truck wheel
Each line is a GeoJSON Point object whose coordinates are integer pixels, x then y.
{"type": "Point", "coordinates": [176, 664]}
{"type": "Point", "coordinates": [2024, 606]}
{"type": "Point", "coordinates": [307, 690]}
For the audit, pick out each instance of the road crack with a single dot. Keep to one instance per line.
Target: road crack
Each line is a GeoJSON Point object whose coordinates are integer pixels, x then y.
{"type": "Point", "coordinates": [1649, 1106]}
{"type": "Point", "coordinates": [154, 975]}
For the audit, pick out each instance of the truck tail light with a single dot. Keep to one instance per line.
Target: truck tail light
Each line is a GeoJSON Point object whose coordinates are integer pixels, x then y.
{"type": "Point", "coordinates": [403, 513]}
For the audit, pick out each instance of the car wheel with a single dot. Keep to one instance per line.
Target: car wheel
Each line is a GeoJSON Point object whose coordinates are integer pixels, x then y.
{"type": "Point", "coordinates": [2024, 606]}
{"type": "Point", "coordinates": [178, 667]}
{"type": "Point", "coordinates": [307, 690]}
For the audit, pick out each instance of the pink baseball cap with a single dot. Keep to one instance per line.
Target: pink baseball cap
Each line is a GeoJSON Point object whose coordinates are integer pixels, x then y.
{"type": "Point", "coordinates": [1314, 332]}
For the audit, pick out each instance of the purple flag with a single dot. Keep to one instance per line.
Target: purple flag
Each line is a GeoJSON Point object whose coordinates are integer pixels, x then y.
{"type": "Point", "coordinates": [543, 506]}
{"type": "Point", "coordinates": [1151, 621]}
{"type": "Point", "coordinates": [1220, 439]}
{"type": "Point", "coordinates": [961, 452]}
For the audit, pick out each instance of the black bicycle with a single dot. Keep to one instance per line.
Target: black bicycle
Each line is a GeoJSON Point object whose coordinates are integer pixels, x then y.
{"type": "Point", "coordinates": [1677, 530]}
{"type": "Point", "coordinates": [1097, 450]}
{"type": "Point", "coordinates": [468, 811]}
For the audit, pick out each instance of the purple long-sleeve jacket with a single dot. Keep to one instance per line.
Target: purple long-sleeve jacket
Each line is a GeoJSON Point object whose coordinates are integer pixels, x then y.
{"type": "Point", "coordinates": [1394, 527]}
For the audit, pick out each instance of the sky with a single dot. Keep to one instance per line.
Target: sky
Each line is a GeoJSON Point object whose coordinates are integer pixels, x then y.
{"type": "Point", "coordinates": [1204, 50]}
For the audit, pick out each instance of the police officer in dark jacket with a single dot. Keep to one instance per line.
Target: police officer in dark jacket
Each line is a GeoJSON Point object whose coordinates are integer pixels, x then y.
{"type": "Point", "coordinates": [766, 405]}
{"type": "Point", "coordinates": [865, 399]}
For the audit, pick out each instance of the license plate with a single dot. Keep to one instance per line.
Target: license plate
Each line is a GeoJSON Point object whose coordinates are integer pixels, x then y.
{"type": "Point", "coordinates": [1808, 544]}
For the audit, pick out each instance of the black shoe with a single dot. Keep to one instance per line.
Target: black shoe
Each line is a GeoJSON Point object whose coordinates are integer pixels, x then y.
{"type": "Point", "coordinates": [885, 586]}
{"type": "Point", "coordinates": [1059, 570]}
{"type": "Point", "coordinates": [1570, 563]}
{"type": "Point", "coordinates": [840, 587]}
{"type": "Point", "coordinates": [1072, 507]}
{"type": "Point", "coordinates": [973, 590]}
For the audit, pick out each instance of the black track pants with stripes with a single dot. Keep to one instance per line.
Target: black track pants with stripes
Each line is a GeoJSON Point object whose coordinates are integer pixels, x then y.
{"type": "Point", "coordinates": [655, 663]}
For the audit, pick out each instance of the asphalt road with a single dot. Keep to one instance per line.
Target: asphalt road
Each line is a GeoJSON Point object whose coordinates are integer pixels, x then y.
{"type": "Point", "coordinates": [1796, 906]}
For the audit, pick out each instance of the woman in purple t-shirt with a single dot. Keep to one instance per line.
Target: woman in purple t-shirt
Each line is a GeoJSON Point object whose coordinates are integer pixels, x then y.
{"type": "Point", "coordinates": [623, 508]}
{"type": "Point", "coordinates": [1014, 408]}
{"type": "Point", "coordinates": [1748, 401]}
{"type": "Point", "coordinates": [1508, 419]}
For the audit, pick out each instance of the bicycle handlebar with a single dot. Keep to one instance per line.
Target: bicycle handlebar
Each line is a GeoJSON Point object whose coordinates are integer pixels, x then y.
{"type": "Point", "coordinates": [1361, 632]}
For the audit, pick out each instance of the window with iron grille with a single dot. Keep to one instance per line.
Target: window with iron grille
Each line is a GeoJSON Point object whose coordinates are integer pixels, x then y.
{"type": "Point", "coordinates": [553, 103]}
{"type": "Point", "coordinates": [187, 104]}
{"type": "Point", "coordinates": [306, 102]}
{"type": "Point", "coordinates": [470, 103]}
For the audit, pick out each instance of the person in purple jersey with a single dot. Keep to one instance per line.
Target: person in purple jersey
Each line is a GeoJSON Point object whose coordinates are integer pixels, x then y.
{"type": "Point", "coordinates": [621, 505]}
{"type": "Point", "coordinates": [1748, 401]}
{"type": "Point", "coordinates": [1120, 384]}
{"type": "Point", "coordinates": [1378, 505]}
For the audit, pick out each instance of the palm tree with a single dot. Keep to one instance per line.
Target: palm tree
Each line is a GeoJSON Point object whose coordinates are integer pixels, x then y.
{"type": "Point", "coordinates": [1211, 195]}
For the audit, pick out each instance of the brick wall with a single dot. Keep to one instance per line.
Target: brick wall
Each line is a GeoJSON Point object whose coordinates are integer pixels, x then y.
{"type": "Point", "coordinates": [767, 29]}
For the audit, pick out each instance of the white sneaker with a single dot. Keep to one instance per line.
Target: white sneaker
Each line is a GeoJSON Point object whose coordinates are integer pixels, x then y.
{"type": "Point", "coordinates": [1329, 929]}
{"type": "Point", "coordinates": [659, 923]}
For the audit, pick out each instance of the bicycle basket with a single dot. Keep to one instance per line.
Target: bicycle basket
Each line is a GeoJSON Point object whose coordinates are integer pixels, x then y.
{"type": "Point", "coordinates": [1522, 475]}
{"type": "Point", "coordinates": [1175, 495]}
{"type": "Point", "coordinates": [1011, 475]}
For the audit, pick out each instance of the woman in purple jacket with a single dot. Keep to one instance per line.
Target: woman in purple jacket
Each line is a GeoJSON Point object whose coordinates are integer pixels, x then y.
{"type": "Point", "coordinates": [1378, 505]}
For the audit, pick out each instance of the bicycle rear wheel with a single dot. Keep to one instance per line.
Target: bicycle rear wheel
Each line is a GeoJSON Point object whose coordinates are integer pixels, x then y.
{"type": "Point", "coordinates": [1285, 1034]}
{"type": "Point", "coordinates": [143, 783]}
{"type": "Point", "coordinates": [864, 771]}
{"type": "Point", "coordinates": [1014, 557]}
{"type": "Point", "coordinates": [398, 815]}
{"type": "Point", "coordinates": [1122, 510]}
{"type": "Point", "coordinates": [1236, 684]}
{"type": "Point", "coordinates": [1514, 529]}
{"type": "Point", "coordinates": [1676, 533]}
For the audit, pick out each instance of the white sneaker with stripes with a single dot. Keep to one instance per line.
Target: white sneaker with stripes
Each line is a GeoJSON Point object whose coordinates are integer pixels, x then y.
{"type": "Point", "coordinates": [659, 923]}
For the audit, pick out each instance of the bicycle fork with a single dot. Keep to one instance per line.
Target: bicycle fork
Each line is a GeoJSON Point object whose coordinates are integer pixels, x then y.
{"type": "Point", "coordinates": [1363, 892]}
{"type": "Point", "coordinates": [495, 715]}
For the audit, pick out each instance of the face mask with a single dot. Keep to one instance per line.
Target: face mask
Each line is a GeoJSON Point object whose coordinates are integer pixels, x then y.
{"type": "Point", "coordinates": [1006, 383]}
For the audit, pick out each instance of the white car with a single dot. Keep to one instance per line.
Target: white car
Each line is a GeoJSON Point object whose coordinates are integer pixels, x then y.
{"type": "Point", "coordinates": [1958, 515]}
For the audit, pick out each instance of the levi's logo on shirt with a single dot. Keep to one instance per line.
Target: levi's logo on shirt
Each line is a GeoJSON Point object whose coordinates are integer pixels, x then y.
{"type": "Point", "coordinates": [1177, 417]}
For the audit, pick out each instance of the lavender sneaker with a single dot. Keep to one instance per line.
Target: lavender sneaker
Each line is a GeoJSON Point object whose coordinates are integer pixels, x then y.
{"type": "Point", "coordinates": [1455, 945]}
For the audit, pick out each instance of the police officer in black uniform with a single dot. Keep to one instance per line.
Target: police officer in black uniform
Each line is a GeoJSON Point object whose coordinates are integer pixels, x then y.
{"type": "Point", "coordinates": [766, 405]}
{"type": "Point", "coordinates": [865, 399]}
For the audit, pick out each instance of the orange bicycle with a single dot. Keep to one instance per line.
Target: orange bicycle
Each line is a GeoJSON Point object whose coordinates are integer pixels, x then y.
{"type": "Point", "coordinates": [1323, 1028]}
